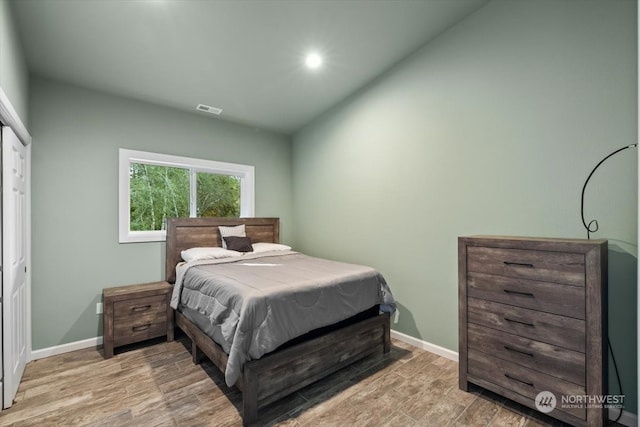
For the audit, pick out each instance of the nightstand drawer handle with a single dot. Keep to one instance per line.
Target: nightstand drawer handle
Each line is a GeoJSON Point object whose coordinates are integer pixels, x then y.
{"type": "Point", "coordinates": [141, 327]}
{"type": "Point", "coordinates": [518, 264]}
{"type": "Point", "coordinates": [524, 294]}
{"type": "Point", "coordinates": [515, 350]}
{"type": "Point", "coordinates": [519, 380]}
{"type": "Point", "coordinates": [519, 321]}
{"type": "Point", "coordinates": [141, 308]}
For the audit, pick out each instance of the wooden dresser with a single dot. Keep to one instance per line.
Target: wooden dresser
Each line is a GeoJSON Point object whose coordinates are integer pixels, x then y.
{"type": "Point", "coordinates": [136, 313]}
{"type": "Point", "coordinates": [533, 318]}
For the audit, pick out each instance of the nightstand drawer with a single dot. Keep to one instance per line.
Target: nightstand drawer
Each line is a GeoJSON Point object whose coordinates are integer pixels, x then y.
{"type": "Point", "coordinates": [553, 298]}
{"type": "Point", "coordinates": [546, 358]}
{"type": "Point", "coordinates": [555, 267]}
{"type": "Point", "coordinates": [562, 331]}
{"type": "Point", "coordinates": [140, 306]}
{"type": "Point", "coordinates": [144, 327]}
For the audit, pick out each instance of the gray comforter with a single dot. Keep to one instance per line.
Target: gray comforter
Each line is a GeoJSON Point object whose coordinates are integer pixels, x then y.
{"type": "Point", "coordinates": [260, 301]}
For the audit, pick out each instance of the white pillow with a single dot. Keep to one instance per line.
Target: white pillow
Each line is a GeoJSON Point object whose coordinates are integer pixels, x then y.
{"type": "Point", "coordinates": [196, 254]}
{"type": "Point", "coordinates": [237, 231]}
{"type": "Point", "coordinates": [266, 247]}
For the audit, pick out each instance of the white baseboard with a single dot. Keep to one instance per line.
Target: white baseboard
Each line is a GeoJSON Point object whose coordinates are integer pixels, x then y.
{"type": "Point", "coordinates": [628, 419]}
{"type": "Point", "coordinates": [432, 348]}
{"type": "Point", "coordinates": [65, 348]}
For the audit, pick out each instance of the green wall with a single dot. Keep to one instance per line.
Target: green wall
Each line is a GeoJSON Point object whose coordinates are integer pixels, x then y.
{"type": "Point", "coordinates": [76, 137]}
{"type": "Point", "coordinates": [14, 78]}
{"type": "Point", "coordinates": [490, 129]}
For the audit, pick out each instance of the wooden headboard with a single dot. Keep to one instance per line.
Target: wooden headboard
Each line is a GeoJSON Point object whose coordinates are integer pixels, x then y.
{"type": "Point", "coordinates": [185, 233]}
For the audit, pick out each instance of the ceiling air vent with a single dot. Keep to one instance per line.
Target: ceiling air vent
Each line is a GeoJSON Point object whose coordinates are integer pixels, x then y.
{"type": "Point", "coordinates": [209, 109]}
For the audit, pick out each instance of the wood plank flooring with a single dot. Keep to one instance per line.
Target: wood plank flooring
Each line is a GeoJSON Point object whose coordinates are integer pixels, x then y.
{"type": "Point", "coordinates": [158, 385]}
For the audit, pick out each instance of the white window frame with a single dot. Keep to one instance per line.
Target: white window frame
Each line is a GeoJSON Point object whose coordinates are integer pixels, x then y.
{"type": "Point", "coordinates": [127, 157]}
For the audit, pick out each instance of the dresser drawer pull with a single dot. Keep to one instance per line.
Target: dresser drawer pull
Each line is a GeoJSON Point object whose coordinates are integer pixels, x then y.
{"type": "Point", "coordinates": [141, 327]}
{"type": "Point", "coordinates": [519, 380]}
{"type": "Point", "coordinates": [515, 350]}
{"type": "Point", "coordinates": [520, 322]}
{"type": "Point", "coordinates": [518, 264]}
{"type": "Point", "coordinates": [524, 294]}
{"type": "Point", "coordinates": [141, 308]}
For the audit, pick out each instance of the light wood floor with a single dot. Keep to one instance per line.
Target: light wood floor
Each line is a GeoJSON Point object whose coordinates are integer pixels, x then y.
{"type": "Point", "coordinates": [158, 385]}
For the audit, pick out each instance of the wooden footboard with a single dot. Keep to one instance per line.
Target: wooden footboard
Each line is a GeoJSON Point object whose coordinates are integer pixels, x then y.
{"type": "Point", "coordinates": [284, 371]}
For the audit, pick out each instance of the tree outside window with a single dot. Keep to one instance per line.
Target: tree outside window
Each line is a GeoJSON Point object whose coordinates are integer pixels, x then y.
{"type": "Point", "coordinates": [161, 192]}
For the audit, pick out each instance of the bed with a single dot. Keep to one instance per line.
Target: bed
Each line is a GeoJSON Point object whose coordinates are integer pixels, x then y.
{"type": "Point", "coordinates": [298, 362]}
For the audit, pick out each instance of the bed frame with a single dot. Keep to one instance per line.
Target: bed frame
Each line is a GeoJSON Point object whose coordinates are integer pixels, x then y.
{"type": "Point", "coordinates": [294, 365]}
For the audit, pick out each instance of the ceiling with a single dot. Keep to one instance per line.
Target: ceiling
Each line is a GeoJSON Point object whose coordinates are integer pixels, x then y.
{"type": "Point", "coordinates": [244, 56]}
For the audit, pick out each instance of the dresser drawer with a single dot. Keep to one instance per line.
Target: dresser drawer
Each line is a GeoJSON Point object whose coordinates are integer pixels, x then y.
{"type": "Point", "coordinates": [546, 358]}
{"type": "Point", "coordinates": [565, 332]}
{"type": "Point", "coordinates": [555, 267]}
{"type": "Point", "coordinates": [523, 381]}
{"type": "Point", "coordinates": [564, 300]}
{"type": "Point", "coordinates": [140, 306]}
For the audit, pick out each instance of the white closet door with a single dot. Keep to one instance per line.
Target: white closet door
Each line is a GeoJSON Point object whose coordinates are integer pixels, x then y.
{"type": "Point", "coordinates": [14, 263]}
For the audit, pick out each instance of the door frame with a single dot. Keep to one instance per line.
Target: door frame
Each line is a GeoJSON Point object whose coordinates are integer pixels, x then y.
{"type": "Point", "coordinates": [9, 117]}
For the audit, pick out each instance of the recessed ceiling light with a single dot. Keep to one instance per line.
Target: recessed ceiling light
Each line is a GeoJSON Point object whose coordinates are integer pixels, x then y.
{"type": "Point", "coordinates": [313, 61]}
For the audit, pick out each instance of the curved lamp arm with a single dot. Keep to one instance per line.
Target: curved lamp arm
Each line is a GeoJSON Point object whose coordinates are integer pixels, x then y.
{"type": "Point", "coordinates": [592, 227]}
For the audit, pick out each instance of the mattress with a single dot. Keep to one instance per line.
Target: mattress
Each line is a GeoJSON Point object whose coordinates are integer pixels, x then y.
{"type": "Point", "coordinates": [258, 302]}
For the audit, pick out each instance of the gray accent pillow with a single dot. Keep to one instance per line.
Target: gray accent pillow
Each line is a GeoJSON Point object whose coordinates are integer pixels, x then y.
{"type": "Point", "coordinates": [240, 244]}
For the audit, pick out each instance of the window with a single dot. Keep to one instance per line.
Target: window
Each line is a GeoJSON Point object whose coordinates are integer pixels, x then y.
{"type": "Point", "coordinates": [154, 187]}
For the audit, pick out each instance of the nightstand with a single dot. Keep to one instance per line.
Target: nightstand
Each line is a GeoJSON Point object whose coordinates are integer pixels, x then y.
{"type": "Point", "coordinates": [136, 313]}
